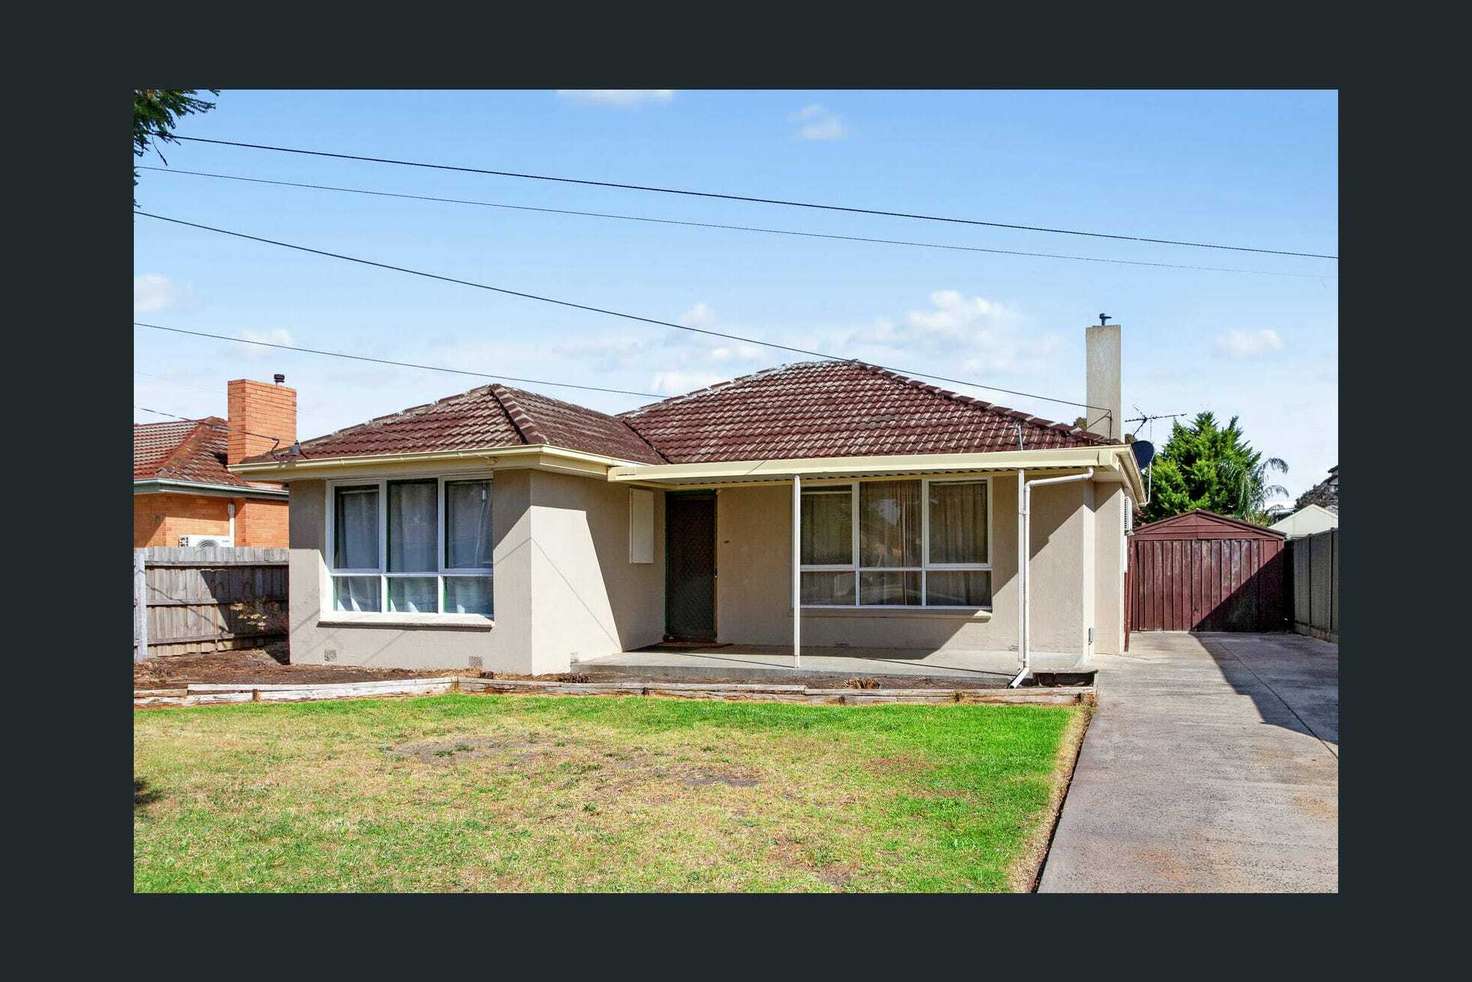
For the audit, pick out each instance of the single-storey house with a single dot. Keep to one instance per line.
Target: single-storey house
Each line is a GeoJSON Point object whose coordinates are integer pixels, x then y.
{"type": "Point", "coordinates": [1308, 520]}
{"type": "Point", "coordinates": [183, 490]}
{"type": "Point", "coordinates": [815, 505]}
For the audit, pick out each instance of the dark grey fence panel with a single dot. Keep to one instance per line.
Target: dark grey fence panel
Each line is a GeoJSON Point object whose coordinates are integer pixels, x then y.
{"type": "Point", "coordinates": [1316, 585]}
{"type": "Point", "coordinates": [210, 599]}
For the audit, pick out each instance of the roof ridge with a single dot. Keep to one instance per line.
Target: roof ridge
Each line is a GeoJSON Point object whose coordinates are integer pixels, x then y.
{"type": "Point", "coordinates": [982, 404]}
{"type": "Point", "coordinates": [190, 442]}
{"type": "Point", "coordinates": [582, 409]}
{"type": "Point", "coordinates": [378, 420]}
{"type": "Point", "coordinates": [526, 427]}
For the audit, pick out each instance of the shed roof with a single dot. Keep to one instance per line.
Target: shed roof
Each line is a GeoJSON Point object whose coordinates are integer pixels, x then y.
{"type": "Point", "coordinates": [1203, 524]}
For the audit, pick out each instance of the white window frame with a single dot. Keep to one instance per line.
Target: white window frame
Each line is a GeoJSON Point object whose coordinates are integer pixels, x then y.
{"type": "Point", "coordinates": [925, 567]}
{"type": "Point", "coordinates": [440, 573]}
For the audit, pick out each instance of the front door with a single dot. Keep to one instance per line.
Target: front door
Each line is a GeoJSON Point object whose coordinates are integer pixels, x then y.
{"type": "Point", "coordinates": [690, 566]}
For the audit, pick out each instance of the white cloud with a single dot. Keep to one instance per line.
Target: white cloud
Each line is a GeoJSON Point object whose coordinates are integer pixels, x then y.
{"type": "Point", "coordinates": [277, 335]}
{"type": "Point", "coordinates": [818, 123]}
{"type": "Point", "coordinates": [1249, 344]}
{"type": "Point", "coordinates": [972, 334]}
{"type": "Point", "coordinates": [153, 292]}
{"type": "Point", "coordinates": [617, 97]}
{"type": "Point", "coordinates": [679, 382]}
{"type": "Point", "coordinates": [737, 351]}
{"type": "Point", "coordinates": [700, 315]}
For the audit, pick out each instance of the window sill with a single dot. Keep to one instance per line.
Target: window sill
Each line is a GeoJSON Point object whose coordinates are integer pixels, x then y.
{"type": "Point", "coordinates": [374, 619]}
{"type": "Point", "coordinates": [977, 614]}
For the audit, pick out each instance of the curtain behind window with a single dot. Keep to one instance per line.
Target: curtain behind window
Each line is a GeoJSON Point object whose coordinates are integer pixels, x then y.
{"type": "Point", "coordinates": [412, 526]}
{"type": "Point", "coordinates": [467, 525]}
{"type": "Point", "coordinates": [827, 528]}
{"type": "Point", "coordinates": [889, 523]}
{"type": "Point", "coordinates": [355, 537]}
{"type": "Point", "coordinates": [958, 523]}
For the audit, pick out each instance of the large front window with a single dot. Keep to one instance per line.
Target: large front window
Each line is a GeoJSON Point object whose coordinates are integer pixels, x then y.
{"type": "Point", "coordinates": [416, 546]}
{"type": "Point", "coordinates": [896, 544]}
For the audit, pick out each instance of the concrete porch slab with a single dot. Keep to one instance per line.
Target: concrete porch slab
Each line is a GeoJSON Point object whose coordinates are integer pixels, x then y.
{"type": "Point", "coordinates": [772, 661]}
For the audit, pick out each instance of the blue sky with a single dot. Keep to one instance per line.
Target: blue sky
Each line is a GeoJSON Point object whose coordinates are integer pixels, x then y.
{"type": "Point", "coordinates": [1246, 168]}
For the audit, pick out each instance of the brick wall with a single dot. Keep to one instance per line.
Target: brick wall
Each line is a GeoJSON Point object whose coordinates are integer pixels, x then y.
{"type": "Point", "coordinates": [159, 519]}
{"type": "Point", "coordinates": [261, 523]}
{"type": "Point", "coordinates": [259, 412]}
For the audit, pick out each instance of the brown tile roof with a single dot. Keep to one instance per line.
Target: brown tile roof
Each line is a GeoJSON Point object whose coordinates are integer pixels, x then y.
{"type": "Point", "coordinates": [810, 409]}
{"type": "Point", "coordinates": [189, 451]}
{"type": "Point", "coordinates": [836, 409]}
{"type": "Point", "coordinates": [487, 417]}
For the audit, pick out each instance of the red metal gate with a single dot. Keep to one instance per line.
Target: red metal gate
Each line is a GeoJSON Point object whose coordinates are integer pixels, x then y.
{"type": "Point", "coordinates": [1206, 572]}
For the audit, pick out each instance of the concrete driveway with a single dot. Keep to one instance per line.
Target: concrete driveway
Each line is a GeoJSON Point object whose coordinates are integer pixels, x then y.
{"type": "Point", "coordinates": [1212, 765]}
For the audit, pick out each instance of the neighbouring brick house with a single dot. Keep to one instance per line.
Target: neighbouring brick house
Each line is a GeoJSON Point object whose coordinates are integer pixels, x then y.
{"type": "Point", "coordinates": [181, 483]}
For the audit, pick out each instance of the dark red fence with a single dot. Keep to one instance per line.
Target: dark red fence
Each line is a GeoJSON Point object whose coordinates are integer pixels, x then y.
{"type": "Point", "coordinates": [1206, 572]}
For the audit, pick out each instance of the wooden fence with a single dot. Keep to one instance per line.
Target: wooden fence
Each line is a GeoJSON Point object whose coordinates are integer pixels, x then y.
{"type": "Point", "coordinates": [1206, 572]}
{"type": "Point", "coordinates": [193, 600]}
{"type": "Point", "coordinates": [1316, 585]}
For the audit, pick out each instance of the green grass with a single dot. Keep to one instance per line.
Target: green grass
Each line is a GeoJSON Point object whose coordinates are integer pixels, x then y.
{"type": "Point", "coordinates": [514, 793]}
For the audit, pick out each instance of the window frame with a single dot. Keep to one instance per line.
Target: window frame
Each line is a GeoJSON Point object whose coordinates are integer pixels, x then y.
{"type": "Point", "coordinates": [925, 567]}
{"type": "Point", "coordinates": [382, 572]}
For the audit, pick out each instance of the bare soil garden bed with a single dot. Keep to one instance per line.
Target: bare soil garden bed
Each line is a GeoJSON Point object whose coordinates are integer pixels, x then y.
{"type": "Point", "coordinates": [256, 665]}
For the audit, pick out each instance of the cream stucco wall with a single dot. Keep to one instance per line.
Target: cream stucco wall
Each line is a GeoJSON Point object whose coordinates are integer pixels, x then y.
{"type": "Point", "coordinates": [587, 598]}
{"type": "Point", "coordinates": [564, 588]}
{"type": "Point", "coordinates": [1110, 501]}
{"type": "Point", "coordinates": [754, 578]}
{"type": "Point", "coordinates": [563, 585]}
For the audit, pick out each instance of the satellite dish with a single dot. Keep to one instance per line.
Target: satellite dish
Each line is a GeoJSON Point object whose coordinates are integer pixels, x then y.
{"type": "Point", "coordinates": [1144, 452]}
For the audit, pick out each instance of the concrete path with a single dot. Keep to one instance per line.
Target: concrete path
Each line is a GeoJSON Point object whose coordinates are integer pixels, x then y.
{"type": "Point", "coordinates": [1211, 765]}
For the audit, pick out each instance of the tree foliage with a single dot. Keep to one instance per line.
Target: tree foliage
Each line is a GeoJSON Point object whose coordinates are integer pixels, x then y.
{"type": "Point", "coordinates": [1206, 465]}
{"type": "Point", "coordinates": [155, 114]}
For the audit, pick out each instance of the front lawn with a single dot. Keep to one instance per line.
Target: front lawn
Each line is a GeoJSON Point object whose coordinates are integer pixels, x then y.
{"type": "Point", "coordinates": [515, 793]}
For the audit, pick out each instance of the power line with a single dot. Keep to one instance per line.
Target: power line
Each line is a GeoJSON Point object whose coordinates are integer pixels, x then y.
{"type": "Point", "coordinates": [599, 310]}
{"type": "Point", "coordinates": [401, 364]}
{"type": "Point", "coordinates": [753, 199]}
{"type": "Point", "coordinates": [192, 419]}
{"type": "Point", "coordinates": [725, 227]}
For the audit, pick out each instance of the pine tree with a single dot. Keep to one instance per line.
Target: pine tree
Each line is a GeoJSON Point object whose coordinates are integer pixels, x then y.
{"type": "Point", "coordinates": [1205, 465]}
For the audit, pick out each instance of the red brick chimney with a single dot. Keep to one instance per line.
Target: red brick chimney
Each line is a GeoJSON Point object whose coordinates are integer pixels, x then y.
{"type": "Point", "coordinates": [260, 414]}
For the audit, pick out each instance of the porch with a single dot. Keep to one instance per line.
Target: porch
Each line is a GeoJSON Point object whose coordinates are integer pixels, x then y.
{"type": "Point", "coordinates": [830, 665]}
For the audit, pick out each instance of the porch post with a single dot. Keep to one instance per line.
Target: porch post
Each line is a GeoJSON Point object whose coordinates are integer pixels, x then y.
{"type": "Point", "coordinates": [796, 571]}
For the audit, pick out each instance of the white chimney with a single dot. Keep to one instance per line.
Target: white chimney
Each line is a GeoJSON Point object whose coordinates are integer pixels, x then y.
{"type": "Point", "coordinates": [1101, 390]}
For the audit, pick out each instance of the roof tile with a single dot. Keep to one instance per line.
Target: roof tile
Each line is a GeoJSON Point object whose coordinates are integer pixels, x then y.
{"type": "Point", "coordinates": [808, 409]}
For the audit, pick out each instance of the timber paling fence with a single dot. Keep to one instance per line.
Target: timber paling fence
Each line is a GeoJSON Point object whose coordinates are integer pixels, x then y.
{"type": "Point", "coordinates": [196, 600]}
{"type": "Point", "coordinates": [1316, 585]}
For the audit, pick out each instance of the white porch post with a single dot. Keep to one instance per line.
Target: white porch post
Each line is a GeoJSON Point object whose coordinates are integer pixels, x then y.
{"type": "Point", "coordinates": [796, 571]}
{"type": "Point", "coordinates": [1022, 543]}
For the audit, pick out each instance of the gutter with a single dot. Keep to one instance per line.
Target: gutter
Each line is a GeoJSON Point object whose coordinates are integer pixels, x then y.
{"type": "Point", "coordinates": [285, 469]}
{"type": "Point", "coordinates": [151, 485]}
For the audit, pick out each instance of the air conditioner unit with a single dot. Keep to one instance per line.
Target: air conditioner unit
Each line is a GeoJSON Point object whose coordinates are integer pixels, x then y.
{"type": "Point", "coordinates": [206, 542]}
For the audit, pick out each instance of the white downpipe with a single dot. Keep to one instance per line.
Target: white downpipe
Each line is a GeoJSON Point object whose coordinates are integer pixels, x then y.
{"type": "Point", "coordinates": [796, 571]}
{"type": "Point", "coordinates": [1024, 562]}
{"type": "Point", "coordinates": [230, 508]}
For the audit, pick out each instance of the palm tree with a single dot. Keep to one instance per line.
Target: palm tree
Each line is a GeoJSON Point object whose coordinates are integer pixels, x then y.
{"type": "Point", "coordinates": [1245, 478]}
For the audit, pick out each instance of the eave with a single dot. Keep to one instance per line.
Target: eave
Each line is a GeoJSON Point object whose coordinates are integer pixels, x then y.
{"type": "Point", "coordinates": [165, 486]}
{"type": "Point", "coordinates": [1111, 462]}
{"type": "Point", "coordinates": [538, 457]}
